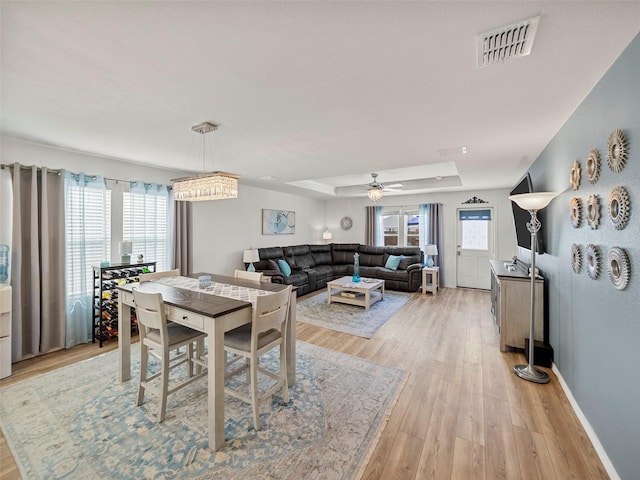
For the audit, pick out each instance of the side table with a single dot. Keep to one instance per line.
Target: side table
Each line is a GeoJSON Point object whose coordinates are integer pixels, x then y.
{"type": "Point", "coordinates": [432, 274]}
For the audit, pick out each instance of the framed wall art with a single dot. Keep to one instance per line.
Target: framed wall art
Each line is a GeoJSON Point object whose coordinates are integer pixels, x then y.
{"type": "Point", "coordinates": [278, 222]}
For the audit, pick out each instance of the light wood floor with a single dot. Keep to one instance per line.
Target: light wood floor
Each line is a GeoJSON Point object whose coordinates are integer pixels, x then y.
{"type": "Point", "coordinates": [462, 414]}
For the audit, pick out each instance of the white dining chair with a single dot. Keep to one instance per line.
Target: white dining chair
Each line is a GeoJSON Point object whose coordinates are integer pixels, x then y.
{"type": "Point", "coordinates": [157, 339]}
{"type": "Point", "coordinates": [147, 277]}
{"type": "Point", "coordinates": [251, 276]}
{"type": "Point", "coordinates": [267, 331]}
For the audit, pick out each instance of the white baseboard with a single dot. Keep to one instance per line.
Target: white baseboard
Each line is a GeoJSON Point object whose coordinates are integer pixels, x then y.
{"type": "Point", "coordinates": [604, 458]}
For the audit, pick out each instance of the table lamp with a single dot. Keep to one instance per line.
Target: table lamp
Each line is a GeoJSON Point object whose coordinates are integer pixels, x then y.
{"type": "Point", "coordinates": [125, 252]}
{"type": "Point", "coordinates": [430, 250]}
{"type": "Point", "coordinates": [532, 202]}
{"type": "Point", "coordinates": [327, 235]}
{"type": "Point", "coordinates": [251, 255]}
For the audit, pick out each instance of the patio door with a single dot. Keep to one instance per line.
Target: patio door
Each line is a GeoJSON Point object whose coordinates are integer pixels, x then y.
{"type": "Point", "coordinates": [475, 247]}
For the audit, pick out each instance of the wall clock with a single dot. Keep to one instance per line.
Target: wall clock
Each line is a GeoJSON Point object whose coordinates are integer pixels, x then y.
{"type": "Point", "coordinates": [346, 223]}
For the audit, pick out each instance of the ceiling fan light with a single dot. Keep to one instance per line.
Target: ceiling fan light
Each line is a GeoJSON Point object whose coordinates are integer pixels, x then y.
{"type": "Point", "coordinates": [375, 193]}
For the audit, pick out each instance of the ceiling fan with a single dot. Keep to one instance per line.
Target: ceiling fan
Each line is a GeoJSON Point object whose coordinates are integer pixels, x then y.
{"type": "Point", "coordinates": [376, 188]}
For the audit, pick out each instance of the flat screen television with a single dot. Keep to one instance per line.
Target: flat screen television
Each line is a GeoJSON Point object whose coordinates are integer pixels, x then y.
{"type": "Point", "coordinates": [522, 217]}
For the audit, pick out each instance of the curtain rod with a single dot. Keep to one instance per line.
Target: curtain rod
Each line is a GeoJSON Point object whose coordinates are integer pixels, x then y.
{"type": "Point", "coordinates": [59, 172]}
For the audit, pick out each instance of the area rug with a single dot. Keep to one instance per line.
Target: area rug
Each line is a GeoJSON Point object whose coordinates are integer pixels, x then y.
{"type": "Point", "coordinates": [350, 318]}
{"type": "Point", "coordinates": [79, 422]}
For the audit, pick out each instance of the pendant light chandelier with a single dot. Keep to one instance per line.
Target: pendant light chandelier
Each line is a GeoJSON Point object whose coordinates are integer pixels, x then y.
{"type": "Point", "coordinates": [375, 191]}
{"type": "Point", "coordinates": [208, 186]}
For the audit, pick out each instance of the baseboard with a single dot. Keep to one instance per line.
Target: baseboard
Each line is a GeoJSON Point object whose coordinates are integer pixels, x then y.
{"type": "Point", "coordinates": [602, 454]}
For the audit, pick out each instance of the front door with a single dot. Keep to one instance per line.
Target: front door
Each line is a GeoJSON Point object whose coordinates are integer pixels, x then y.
{"type": "Point", "coordinates": [475, 247]}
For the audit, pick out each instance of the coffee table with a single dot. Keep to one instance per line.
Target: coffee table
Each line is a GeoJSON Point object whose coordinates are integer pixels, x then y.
{"type": "Point", "coordinates": [364, 293]}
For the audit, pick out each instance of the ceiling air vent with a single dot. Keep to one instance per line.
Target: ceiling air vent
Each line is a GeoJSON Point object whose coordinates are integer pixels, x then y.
{"type": "Point", "coordinates": [506, 42]}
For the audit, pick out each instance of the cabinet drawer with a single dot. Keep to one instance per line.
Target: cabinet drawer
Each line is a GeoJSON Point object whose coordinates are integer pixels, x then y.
{"type": "Point", "coordinates": [127, 298]}
{"type": "Point", "coordinates": [184, 317]}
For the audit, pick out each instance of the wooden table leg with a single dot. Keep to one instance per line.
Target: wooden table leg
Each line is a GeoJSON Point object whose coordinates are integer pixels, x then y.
{"type": "Point", "coordinates": [124, 339]}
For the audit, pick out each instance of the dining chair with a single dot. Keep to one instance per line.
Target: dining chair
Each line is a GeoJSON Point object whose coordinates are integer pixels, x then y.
{"type": "Point", "coordinates": [252, 276]}
{"type": "Point", "coordinates": [158, 339]}
{"type": "Point", "coordinates": [266, 331]}
{"type": "Point", "coordinates": [147, 277]}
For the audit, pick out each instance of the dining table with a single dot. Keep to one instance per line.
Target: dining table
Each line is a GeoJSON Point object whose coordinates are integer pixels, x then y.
{"type": "Point", "coordinates": [223, 305]}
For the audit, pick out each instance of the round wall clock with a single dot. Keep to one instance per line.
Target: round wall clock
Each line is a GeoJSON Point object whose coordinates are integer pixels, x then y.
{"type": "Point", "coordinates": [346, 223]}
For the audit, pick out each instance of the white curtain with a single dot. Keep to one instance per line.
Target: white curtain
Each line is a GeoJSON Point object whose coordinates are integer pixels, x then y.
{"type": "Point", "coordinates": [149, 216]}
{"type": "Point", "coordinates": [87, 244]}
{"type": "Point", "coordinates": [423, 223]}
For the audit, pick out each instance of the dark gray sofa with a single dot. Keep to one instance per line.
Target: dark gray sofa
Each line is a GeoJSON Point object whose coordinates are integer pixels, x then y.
{"type": "Point", "coordinates": [313, 266]}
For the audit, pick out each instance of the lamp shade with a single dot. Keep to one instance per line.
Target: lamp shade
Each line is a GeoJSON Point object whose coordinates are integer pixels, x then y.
{"type": "Point", "coordinates": [431, 249]}
{"type": "Point", "coordinates": [251, 255]}
{"type": "Point", "coordinates": [125, 248]}
{"type": "Point", "coordinates": [533, 201]}
{"type": "Point", "coordinates": [327, 235]}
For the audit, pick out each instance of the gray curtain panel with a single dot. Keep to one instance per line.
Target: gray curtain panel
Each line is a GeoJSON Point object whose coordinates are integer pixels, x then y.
{"type": "Point", "coordinates": [183, 238]}
{"type": "Point", "coordinates": [370, 226]}
{"type": "Point", "coordinates": [38, 258]}
{"type": "Point", "coordinates": [436, 235]}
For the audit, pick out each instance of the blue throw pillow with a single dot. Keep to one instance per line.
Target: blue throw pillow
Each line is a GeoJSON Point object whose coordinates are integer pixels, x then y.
{"type": "Point", "coordinates": [392, 262]}
{"type": "Point", "coordinates": [284, 267]}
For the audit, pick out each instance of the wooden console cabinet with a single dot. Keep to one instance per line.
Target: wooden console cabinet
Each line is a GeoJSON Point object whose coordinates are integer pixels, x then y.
{"type": "Point", "coordinates": [511, 304]}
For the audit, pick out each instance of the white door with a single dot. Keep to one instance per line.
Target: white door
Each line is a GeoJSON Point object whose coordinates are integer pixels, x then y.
{"type": "Point", "coordinates": [475, 247]}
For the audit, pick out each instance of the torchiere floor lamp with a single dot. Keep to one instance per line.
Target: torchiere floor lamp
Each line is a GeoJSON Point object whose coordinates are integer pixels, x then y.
{"type": "Point", "coordinates": [532, 202]}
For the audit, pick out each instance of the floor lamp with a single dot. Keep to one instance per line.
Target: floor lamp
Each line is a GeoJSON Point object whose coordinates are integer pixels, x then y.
{"type": "Point", "coordinates": [532, 202]}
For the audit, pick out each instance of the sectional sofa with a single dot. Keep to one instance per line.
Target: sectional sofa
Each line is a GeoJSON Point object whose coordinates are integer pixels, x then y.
{"type": "Point", "coordinates": [311, 267]}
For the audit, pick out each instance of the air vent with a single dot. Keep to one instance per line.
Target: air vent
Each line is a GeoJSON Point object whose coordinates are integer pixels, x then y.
{"type": "Point", "coordinates": [509, 41]}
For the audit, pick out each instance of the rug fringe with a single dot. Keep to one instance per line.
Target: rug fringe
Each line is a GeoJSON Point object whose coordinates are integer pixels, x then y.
{"type": "Point", "coordinates": [383, 425]}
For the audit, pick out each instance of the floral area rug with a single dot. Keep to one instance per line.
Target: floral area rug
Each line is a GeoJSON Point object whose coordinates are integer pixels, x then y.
{"type": "Point", "coordinates": [350, 319]}
{"type": "Point", "coordinates": [79, 422]}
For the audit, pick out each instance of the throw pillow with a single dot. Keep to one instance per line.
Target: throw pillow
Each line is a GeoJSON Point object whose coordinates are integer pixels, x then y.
{"type": "Point", "coordinates": [392, 262]}
{"type": "Point", "coordinates": [405, 262]}
{"type": "Point", "coordinates": [273, 265]}
{"type": "Point", "coordinates": [284, 267]}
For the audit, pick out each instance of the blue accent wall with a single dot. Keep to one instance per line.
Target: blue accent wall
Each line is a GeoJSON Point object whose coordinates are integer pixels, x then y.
{"type": "Point", "coordinates": [593, 327]}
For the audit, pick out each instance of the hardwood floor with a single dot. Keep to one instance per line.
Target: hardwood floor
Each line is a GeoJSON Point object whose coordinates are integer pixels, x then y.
{"type": "Point", "coordinates": [462, 413]}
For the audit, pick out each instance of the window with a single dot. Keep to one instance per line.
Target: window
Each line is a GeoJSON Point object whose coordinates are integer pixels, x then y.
{"type": "Point", "coordinates": [401, 227]}
{"type": "Point", "coordinates": [475, 229]}
{"type": "Point", "coordinates": [88, 234]}
{"type": "Point", "coordinates": [144, 222]}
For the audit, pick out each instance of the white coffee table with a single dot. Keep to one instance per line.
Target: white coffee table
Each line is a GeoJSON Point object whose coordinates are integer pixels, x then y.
{"type": "Point", "coordinates": [364, 293]}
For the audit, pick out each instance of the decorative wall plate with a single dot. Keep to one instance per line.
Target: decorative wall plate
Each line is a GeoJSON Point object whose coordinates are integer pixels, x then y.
{"type": "Point", "coordinates": [617, 150]}
{"type": "Point", "coordinates": [592, 165]}
{"type": "Point", "coordinates": [576, 257]}
{"type": "Point", "coordinates": [618, 267]}
{"type": "Point", "coordinates": [592, 254]}
{"type": "Point", "coordinates": [346, 223]}
{"type": "Point", "coordinates": [593, 211]}
{"type": "Point", "coordinates": [619, 207]}
{"type": "Point", "coordinates": [575, 174]}
{"type": "Point", "coordinates": [575, 212]}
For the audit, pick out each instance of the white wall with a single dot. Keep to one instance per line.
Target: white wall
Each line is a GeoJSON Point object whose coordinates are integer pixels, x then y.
{"type": "Point", "coordinates": [29, 154]}
{"type": "Point", "coordinates": [223, 229]}
{"type": "Point", "coordinates": [505, 246]}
